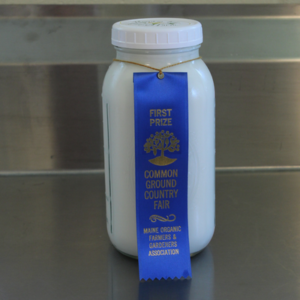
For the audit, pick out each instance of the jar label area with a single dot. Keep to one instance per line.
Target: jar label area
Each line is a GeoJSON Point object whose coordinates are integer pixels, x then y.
{"type": "Point", "coordinates": [161, 163]}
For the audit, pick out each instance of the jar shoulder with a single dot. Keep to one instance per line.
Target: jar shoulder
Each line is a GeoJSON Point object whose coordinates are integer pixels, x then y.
{"type": "Point", "coordinates": [204, 78]}
{"type": "Point", "coordinates": [120, 68]}
{"type": "Point", "coordinates": [203, 71]}
{"type": "Point", "coordinates": [119, 76]}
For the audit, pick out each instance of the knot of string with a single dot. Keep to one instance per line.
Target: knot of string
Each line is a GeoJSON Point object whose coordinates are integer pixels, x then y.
{"type": "Point", "coordinates": [156, 69]}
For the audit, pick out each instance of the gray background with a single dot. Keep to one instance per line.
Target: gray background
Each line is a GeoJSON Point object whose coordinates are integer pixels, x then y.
{"type": "Point", "coordinates": [53, 239]}
{"type": "Point", "coordinates": [53, 60]}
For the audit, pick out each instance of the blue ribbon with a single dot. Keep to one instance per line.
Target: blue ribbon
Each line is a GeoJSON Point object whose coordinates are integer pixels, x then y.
{"type": "Point", "coordinates": [161, 159]}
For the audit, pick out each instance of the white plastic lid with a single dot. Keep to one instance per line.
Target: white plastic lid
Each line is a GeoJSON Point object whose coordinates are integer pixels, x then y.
{"type": "Point", "coordinates": [157, 33]}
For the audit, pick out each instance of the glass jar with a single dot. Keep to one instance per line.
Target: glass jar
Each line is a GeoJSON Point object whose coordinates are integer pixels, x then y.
{"type": "Point", "coordinates": [119, 137]}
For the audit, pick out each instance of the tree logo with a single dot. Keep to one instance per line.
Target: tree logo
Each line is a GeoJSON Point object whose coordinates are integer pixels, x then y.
{"type": "Point", "coordinates": [163, 141]}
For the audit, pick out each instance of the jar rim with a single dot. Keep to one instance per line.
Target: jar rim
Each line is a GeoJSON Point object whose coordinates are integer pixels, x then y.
{"type": "Point", "coordinates": [157, 51]}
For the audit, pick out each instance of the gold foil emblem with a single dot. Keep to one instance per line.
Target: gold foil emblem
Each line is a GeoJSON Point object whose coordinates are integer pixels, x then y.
{"type": "Point", "coordinates": [163, 141]}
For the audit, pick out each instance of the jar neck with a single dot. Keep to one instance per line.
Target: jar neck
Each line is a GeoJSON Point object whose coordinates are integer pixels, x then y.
{"type": "Point", "coordinates": [158, 58]}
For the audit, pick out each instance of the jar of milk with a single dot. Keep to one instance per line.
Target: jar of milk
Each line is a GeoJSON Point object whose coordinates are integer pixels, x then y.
{"type": "Point", "coordinates": [157, 43]}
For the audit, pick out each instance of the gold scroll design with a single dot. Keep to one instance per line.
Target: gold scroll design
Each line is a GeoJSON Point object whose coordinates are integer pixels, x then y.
{"type": "Point", "coordinates": [163, 141]}
{"type": "Point", "coordinates": [155, 218]}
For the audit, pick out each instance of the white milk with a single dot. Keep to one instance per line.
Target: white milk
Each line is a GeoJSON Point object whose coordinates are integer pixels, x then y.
{"type": "Point", "coordinates": [119, 144]}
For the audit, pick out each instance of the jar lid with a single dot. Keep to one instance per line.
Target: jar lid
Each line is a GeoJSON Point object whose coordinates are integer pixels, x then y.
{"type": "Point", "coordinates": [157, 33]}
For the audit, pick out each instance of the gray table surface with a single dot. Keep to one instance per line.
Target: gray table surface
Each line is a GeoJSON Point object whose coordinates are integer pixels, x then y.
{"type": "Point", "coordinates": [54, 245]}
